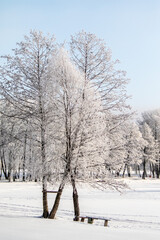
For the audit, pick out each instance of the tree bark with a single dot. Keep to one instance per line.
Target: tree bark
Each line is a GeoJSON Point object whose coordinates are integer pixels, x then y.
{"type": "Point", "coordinates": [44, 178]}
{"type": "Point", "coordinates": [60, 190]}
{"type": "Point", "coordinates": [153, 170]}
{"type": "Point", "coordinates": [144, 165]}
{"type": "Point", "coordinates": [43, 144]}
{"type": "Point", "coordinates": [24, 156]}
{"type": "Point", "coordinates": [57, 201]}
{"type": "Point", "coordinates": [45, 200]}
{"type": "Point", "coordinates": [157, 169]}
{"type": "Point", "coordinates": [139, 171]}
{"type": "Point", "coordinates": [128, 171]}
{"type": "Point", "coordinates": [10, 167]}
{"type": "Point", "coordinates": [124, 170]}
{"type": "Point", "coordinates": [75, 200]}
{"type": "Point", "coordinates": [3, 165]}
{"type": "Point", "coordinates": [144, 175]}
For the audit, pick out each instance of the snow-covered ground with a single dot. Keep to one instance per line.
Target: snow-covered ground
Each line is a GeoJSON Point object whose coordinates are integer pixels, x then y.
{"type": "Point", "coordinates": [134, 214]}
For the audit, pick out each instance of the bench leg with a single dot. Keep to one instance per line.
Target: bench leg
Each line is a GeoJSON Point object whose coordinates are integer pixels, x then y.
{"type": "Point", "coordinates": [82, 219]}
{"type": "Point", "coordinates": [105, 223]}
{"type": "Point", "coordinates": [90, 220]}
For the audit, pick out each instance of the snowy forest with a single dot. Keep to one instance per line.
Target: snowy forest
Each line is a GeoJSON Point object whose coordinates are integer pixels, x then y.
{"type": "Point", "coordinates": [65, 118]}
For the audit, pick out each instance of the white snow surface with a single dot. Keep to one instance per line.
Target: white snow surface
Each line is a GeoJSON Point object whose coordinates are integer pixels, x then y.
{"type": "Point", "coordinates": [134, 215]}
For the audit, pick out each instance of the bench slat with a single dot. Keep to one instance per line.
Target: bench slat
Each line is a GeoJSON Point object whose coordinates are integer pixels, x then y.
{"type": "Point", "coordinates": [98, 218]}
{"type": "Point", "coordinates": [91, 219]}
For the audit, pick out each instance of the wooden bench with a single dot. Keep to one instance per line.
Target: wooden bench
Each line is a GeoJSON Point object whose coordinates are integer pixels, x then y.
{"type": "Point", "coordinates": [91, 219]}
{"type": "Point", "coordinates": [50, 191]}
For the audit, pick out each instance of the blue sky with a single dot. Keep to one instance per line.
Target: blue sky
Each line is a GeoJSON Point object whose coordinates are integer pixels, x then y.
{"type": "Point", "coordinates": [131, 28]}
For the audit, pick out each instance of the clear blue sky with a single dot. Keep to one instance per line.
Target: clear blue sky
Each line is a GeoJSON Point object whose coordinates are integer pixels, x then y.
{"type": "Point", "coordinates": [131, 29]}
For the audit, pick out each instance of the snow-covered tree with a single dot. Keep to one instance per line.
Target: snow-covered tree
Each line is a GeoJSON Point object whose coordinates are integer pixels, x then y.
{"type": "Point", "coordinates": [92, 57]}
{"type": "Point", "coordinates": [152, 118]}
{"type": "Point", "coordinates": [134, 147]}
{"type": "Point", "coordinates": [94, 60]}
{"type": "Point", "coordinates": [80, 134]}
{"type": "Point", "coordinates": [68, 117]}
{"type": "Point", "coordinates": [10, 144]}
{"type": "Point", "coordinates": [23, 78]}
{"type": "Point", "coordinates": [149, 148]}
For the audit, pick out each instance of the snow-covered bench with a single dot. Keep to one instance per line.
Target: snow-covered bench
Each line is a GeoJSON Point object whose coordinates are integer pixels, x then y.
{"type": "Point", "coordinates": [91, 219]}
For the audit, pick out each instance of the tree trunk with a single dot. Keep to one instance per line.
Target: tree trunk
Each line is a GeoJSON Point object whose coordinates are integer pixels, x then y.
{"type": "Point", "coordinates": [19, 171]}
{"type": "Point", "coordinates": [24, 156]}
{"type": "Point", "coordinates": [57, 201]}
{"type": "Point", "coordinates": [157, 169]}
{"type": "Point", "coordinates": [144, 175]}
{"type": "Point", "coordinates": [124, 170]}
{"type": "Point", "coordinates": [44, 178]}
{"type": "Point", "coordinates": [10, 167]}
{"type": "Point", "coordinates": [3, 165]}
{"type": "Point", "coordinates": [139, 170]}
{"type": "Point", "coordinates": [43, 142]}
{"type": "Point", "coordinates": [136, 168]}
{"type": "Point", "coordinates": [128, 171]}
{"type": "Point", "coordinates": [14, 175]}
{"type": "Point", "coordinates": [45, 201]}
{"type": "Point", "coordinates": [153, 171]}
{"type": "Point", "coordinates": [60, 190]}
{"type": "Point", "coordinates": [44, 174]}
{"type": "Point", "coordinates": [75, 200]}
{"type": "Point", "coordinates": [30, 175]}
{"type": "Point", "coordinates": [67, 156]}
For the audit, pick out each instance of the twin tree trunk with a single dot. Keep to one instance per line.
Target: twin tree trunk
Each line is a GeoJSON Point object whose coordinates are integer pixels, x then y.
{"type": "Point", "coordinates": [58, 198]}
{"type": "Point", "coordinates": [59, 194]}
{"type": "Point", "coordinates": [67, 171]}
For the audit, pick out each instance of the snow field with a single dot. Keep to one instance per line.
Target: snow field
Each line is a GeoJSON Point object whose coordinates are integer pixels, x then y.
{"type": "Point", "coordinates": [134, 214]}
